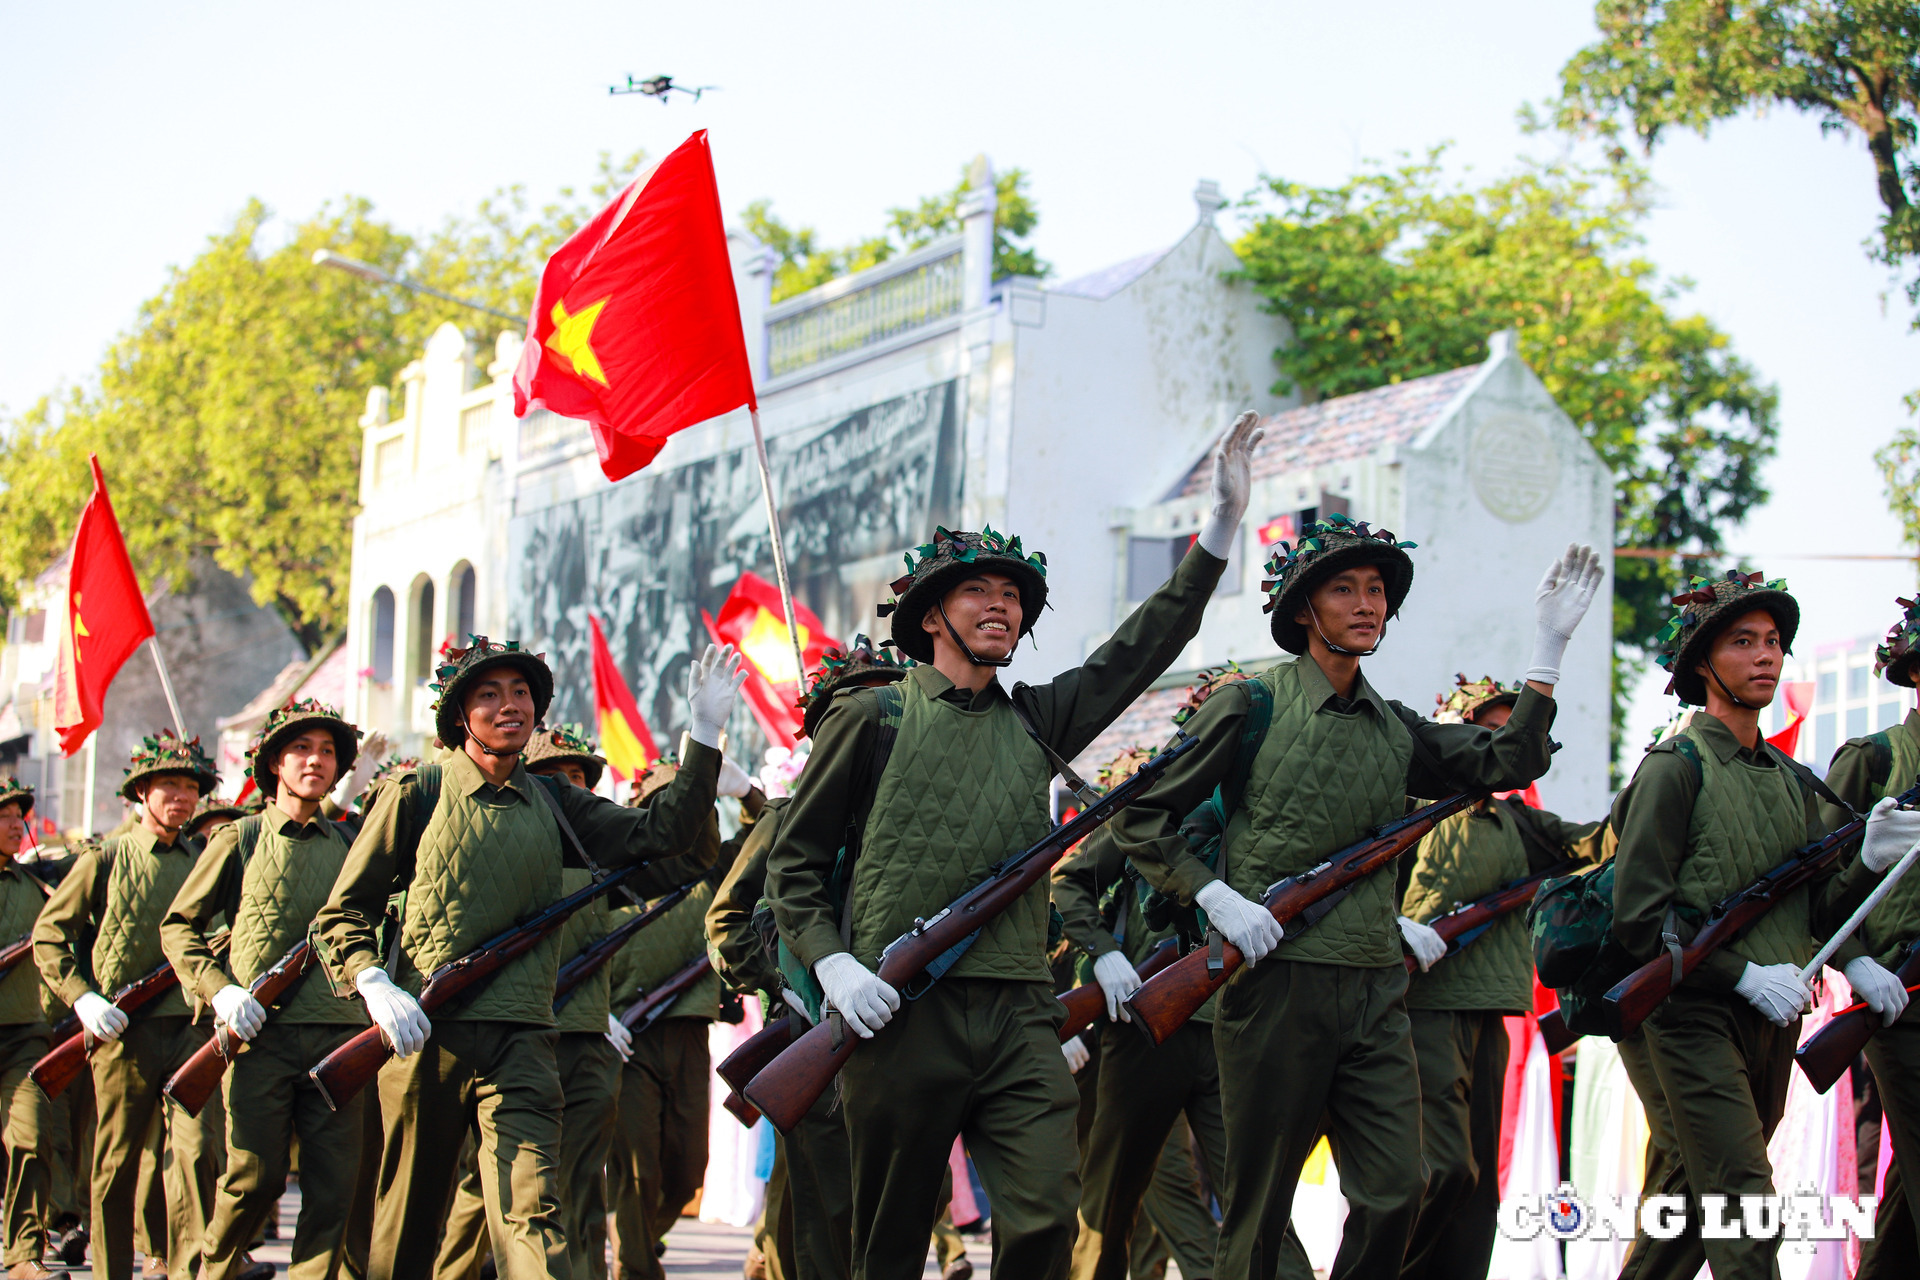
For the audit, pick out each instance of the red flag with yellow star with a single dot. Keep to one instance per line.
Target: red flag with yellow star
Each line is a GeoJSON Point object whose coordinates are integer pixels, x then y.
{"type": "Point", "coordinates": [636, 328]}
{"type": "Point", "coordinates": [753, 621]}
{"type": "Point", "coordinates": [625, 739]}
{"type": "Point", "coordinates": [104, 621]}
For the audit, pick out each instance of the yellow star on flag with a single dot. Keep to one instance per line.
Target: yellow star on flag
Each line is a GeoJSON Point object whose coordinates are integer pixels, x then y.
{"type": "Point", "coordinates": [79, 628]}
{"type": "Point", "coordinates": [572, 338]}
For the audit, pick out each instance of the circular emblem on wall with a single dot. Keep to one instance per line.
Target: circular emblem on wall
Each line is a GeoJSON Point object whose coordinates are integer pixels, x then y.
{"type": "Point", "coordinates": [1514, 467]}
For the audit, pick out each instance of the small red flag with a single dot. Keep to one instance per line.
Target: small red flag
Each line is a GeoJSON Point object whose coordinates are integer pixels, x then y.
{"type": "Point", "coordinates": [104, 621]}
{"type": "Point", "coordinates": [624, 737]}
{"type": "Point", "coordinates": [753, 622]}
{"type": "Point", "coordinates": [636, 328]}
{"type": "Point", "coordinates": [1799, 699]}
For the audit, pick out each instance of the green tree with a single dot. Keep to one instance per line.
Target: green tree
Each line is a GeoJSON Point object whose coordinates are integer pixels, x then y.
{"type": "Point", "coordinates": [1398, 274]}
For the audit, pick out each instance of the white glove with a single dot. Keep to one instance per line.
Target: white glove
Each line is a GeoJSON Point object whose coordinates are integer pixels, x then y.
{"type": "Point", "coordinates": [397, 1014]}
{"type": "Point", "coordinates": [235, 1006]}
{"type": "Point", "coordinates": [1118, 980]}
{"type": "Point", "coordinates": [734, 781]}
{"type": "Point", "coordinates": [100, 1016]}
{"type": "Point", "coordinates": [1561, 600]}
{"type": "Point", "coordinates": [1426, 945]}
{"type": "Point", "coordinates": [860, 996]}
{"type": "Point", "coordinates": [1076, 1053]}
{"type": "Point", "coordinates": [1775, 990]}
{"type": "Point", "coordinates": [712, 683]}
{"type": "Point", "coordinates": [1891, 831]}
{"type": "Point", "coordinates": [1882, 991]}
{"type": "Point", "coordinates": [1245, 923]}
{"type": "Point", "coordinates": [620, 1038]}
{"type": "Point", "coordinates": [1232, 483]}
{"type": "Point", "coordinates": [373, 749]}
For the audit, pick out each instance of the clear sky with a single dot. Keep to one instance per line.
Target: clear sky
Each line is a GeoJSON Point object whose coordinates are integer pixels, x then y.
{"type": "Point", "coordinates": [133, 132]}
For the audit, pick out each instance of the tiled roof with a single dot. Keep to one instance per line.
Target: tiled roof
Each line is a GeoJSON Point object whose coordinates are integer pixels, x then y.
{"type": "Point", "coordinates": [1107, 281]}
{"type": "Point", "coordinates": [1344, 427]}
{"type": "Point", "coordinates": [1147, 723]}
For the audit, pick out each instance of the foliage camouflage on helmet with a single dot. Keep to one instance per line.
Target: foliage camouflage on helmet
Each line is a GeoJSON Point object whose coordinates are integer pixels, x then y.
{"type": "Point", "coordinates": [165, 753]}
{"type": "Point", "coordinates": [1327, 547]}
{"type": "Point", "coordinates": [565, 744]}
{"type": "Point", "coordinates": [1894, 658]}
{"type": "Point", "coordinates": [14, 791]}
{"type": "Point", "coordinates": [1706, 608]}
{"type": "Point", "coordinates": [861, 663]}
{"type": "Point", "coordinates": [933, 569]}
{"type": "Point", "coordinates": [655, 776]}
{"type": "Point", "coordinates": [1469, 697]}
{"type": "Point", "coordinates": [210, 810]}
{"type": "Point", "coordinates": [288, 722]}
{"type": "Point", "coordinates": [1123, 766]}
{"type": "Point", "coordinates": [463, 666]}
{"type": "Point", "coordinates": [1210, 681]}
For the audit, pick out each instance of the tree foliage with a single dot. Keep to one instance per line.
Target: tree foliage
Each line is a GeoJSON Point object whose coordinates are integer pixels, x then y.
{"type": "Point", "coordinates": [1397, 274]}
{"type": "Point", "coordinates": [803, 262]}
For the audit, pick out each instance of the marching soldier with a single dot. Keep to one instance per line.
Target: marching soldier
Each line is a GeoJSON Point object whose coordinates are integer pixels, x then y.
{"type": "Point", "coordinates": [100, 931]}
{"type": "Point", "coordinates": [24, 1039]}
{"type": "Point", "coordinates": [267, 875]}
{"type": "Point", "coordinates": [1326, 1012]}
{"type": "Point", "coordinates": [473, 844]}
{"type": "Point", "coordinates": [1710, 809]}
{"type": "Point", "coordinates": [1865, 771]}
{"type": "Point", "coordinates": [66, 1144]}
{"type": "Point", "coordinates": [1457, 1008]}
{"type": "Point", "coordinates": [964, 781]}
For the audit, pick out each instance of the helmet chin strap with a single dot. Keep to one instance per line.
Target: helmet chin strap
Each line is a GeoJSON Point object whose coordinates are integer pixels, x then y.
{"type": "Point", "coordinates": [1736, 699]}
{"type": "Point", "coordinates": [1345, 653]}
{"type": "Point", "coordinates": [973, 657]}
{"type": "Point", "coordinates": [475, 739]}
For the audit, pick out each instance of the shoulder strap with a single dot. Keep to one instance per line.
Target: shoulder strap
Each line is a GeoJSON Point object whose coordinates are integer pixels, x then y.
{"type": "Point", "coordinates": [1253, 732]}
{"type": "Point", "coordinates": [1880, 758]}
{"type": "Point", "coordinates": [426, 786]}
{"type": "Point", "coordinates": [1808, 780]}
{"type": "Point", "coordinates": [548, 789]}
{"type": "Point", "coordinates": [247, 830]}
{"type": "Point", "coordinates": [1075, 783]}
{"type": "Point", "coordinates": [1543, 855]}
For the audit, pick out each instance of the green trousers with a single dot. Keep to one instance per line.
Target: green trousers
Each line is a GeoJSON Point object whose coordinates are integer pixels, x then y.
{"type": "Point", "coordinates": [978, 1058]}
{"type": "Point", "coordinates": [1462, 1056]}
{"type": "Point", "coordinates": [1723, 1071]}
{"type": "Point", "coordinates": [773, 1233]}
{"type": "Point", "coordinates": [1302, 1047]}
{"type": "Point", "coordinates": [28, 1120]}
{"type": "Point", "coordinates": [1894, 1251]}
{"type": "Point", "coordinates": [1175, 1222]}
{"type": "Point", "coordinates": [820, 1187]}
{"type": "Point", "coordinates": [127, 1076]}
{"type": "Point", "coordinates": [271, 1101]}
{"type": "Point", "coordinates": [498, 1082]}
{"type": "Point", "coordinates": [659, 1156]}
{"type": "Point", "coordinates": [68, 1151]}
{"type": "Point", "coordinates": [1663, 1150]}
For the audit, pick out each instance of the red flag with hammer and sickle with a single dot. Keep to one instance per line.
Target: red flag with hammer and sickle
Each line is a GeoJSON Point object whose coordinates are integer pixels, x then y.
{"type": "Point", "coordinates": [636, 328]}
{"type": "Point", "coordinates": [104, 621]}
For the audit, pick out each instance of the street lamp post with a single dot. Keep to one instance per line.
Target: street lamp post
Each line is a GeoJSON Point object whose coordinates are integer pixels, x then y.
{"type": "Point", "coordinates": [367, 271]}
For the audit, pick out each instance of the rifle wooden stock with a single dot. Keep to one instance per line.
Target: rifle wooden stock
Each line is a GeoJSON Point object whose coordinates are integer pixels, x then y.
{"type": "Point", "coordinates": [1462, 926]}
{"type": "Point", "coordinates": [789, 1086]}
{"type": "Point", "coordinates": [1827, 1054]}
{"type": "Point", "coordinates": [741, 1110]}
{"type": "Point", "coordinates": [752, 1055]}
{"type": "Point", "coordinates": [653, 1006]}
{"type": "Point", "coordinates": [1085, 1004]}
{"type": "Point", "coordinates": [199, 1076]}
{"type": "Point", "coordinates": [594, 956]}
{"type": "Point", "coordinates": [1627, 1004]}
{"type": "Point", "coordinates": [1555, 1031]}
{"type": "Point", "coordinates": [69, 1055]}
{"type": "Point", "coordinates": [346, 1070]}
{"type": "Point", "coordinates": [14, 952]}
{"type": "Point", "coordinates": [1163, 1005]}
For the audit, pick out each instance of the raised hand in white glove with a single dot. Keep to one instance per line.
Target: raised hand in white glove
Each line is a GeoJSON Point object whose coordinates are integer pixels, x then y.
{"type": "Point", "coordinates": [712, 682]}
{"type": "Point", "coordinates": [1076, 1053]}
{"type": "Point", "coordinates": [1232, 484]}
{"type": "Point", "coordinates": [1775, 990]}
{"type": "Point", "coordinates": [1881, 990]}
{"type": "Point", "coordinates": [859, 994]}
{"type": "Point", "coordinates": [1561, 600]}
{"type": "Point", "coordinates": [1891, 831]}
{"type": "Point", "coordinates": [373, 750]}
{"type": "Point", "coordinates": [100, 1016]}
{"type": "Point", "coordinates": [1245, 923]}
{"type": "Point", "coordinates": [397, 1014]}
{"type": "Point", "coordinates": [235, 1006]}
{"type": "Point", "coordinates": [620, 1038]}
{"type": "Point", "coordinates": [734, 781]}
{"type": "Point", "coordinates": [1426, 945]}
{"type": "Point", "coordinates": [1117, 981]}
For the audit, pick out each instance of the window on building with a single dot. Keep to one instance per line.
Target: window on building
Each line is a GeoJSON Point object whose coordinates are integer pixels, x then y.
{"type": "Point", "coordinates": [1150, 562]}
{"type": "Point", "coordinates": [1827, 691]}
{"type": "Point", "coordinates": [1891, 714]}
{"type": "Point", "coordinates": [423, 641]}
{"type": "Point", "coordinates": [383, 636]}
{"type": "Point", "coordinates": [464, 587]}
{"type": "Point", "coordinates": [1823, 744]}
{"type": "Point", "coordinates": [1857, 681]}
{"type": "Point", "coordinates": [1857, 722]}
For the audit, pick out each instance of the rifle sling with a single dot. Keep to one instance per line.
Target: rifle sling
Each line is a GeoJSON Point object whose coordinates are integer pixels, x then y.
{"type": "Point", "coordinates": [572, 838]}
{"type": "Point", "coordinates": [1075, 783]}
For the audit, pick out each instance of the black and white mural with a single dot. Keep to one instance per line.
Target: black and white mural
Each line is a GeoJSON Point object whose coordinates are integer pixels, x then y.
{"type": "Point", "coordinates": [649, 554]}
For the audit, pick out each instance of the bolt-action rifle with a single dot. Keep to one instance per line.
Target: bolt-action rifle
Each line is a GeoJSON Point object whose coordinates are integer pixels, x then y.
{"type": "Point", "coordinates": [1627, 1004]}
{"type": "Point", "coordinates": [794, 1081]}
{"type": "Point", "coordinates": [574, 973]}
{"type": "Point", "coordinates": [653, 1006]}
{"type": "Point", "coordinates": [199, 1076]}
{"type": "Point", "coordinates": [1084, 1004]}
{"type": "Point", "coordinates": [346, 1070]}
{"type": "Point", "coordinates": [14, 952]}
{"type": "Point", "coordinates": [69, 1055]}
{"type": "Point", "coordinates": [1463, 926]}
{"type": "Point", "coordinates": [1298, 902]}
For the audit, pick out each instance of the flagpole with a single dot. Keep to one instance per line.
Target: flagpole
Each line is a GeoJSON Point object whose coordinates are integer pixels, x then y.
{"type": "Point", "coordinates": [166, 683]}
{"type": "Point", "coordinates": [779, 549]}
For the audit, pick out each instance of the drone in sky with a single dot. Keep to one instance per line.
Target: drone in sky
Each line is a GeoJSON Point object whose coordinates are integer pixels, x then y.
{"type": "Point", "coordinates": [659, 87]}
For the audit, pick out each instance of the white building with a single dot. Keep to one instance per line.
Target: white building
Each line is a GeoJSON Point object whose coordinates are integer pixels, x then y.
{"type": "Point", "coordinates": [1077, 415]}
{"type": "Point", "coordinates": [1841, 695]}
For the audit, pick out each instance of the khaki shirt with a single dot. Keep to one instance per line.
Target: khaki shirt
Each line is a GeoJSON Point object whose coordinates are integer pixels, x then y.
{"type": "Point", "coordinates": [63, 936]}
